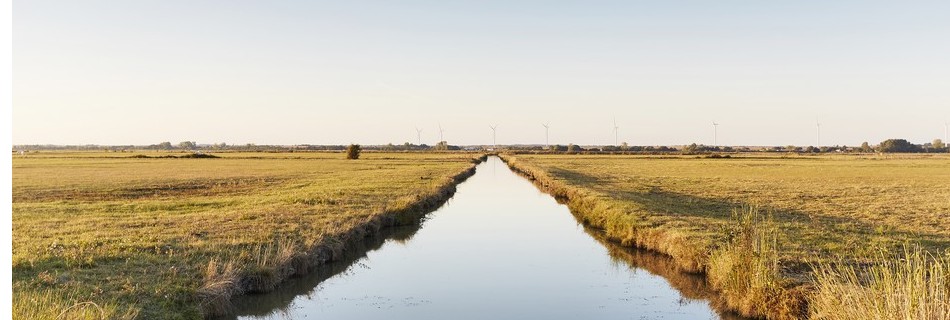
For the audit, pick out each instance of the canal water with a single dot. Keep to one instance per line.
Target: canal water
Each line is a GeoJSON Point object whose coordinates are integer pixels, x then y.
{"type": "Point", "coordinates": [499, 249]}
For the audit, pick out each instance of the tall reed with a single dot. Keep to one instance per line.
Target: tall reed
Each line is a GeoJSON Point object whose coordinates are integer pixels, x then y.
{"type": "Point", "coordinates": [745, 268]}
{"type": "Point", "coordinates": [915, 286]}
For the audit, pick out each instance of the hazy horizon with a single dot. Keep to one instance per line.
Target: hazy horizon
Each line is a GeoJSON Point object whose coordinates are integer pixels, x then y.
{"type": "Point", "coordinates": [120, 72]}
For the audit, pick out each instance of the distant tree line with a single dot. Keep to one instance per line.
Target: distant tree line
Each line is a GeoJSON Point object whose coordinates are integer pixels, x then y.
{"type": "Point", "coordinates": [250, 147]}
{"type": "Point", "coordinates": [886, 146]}
{"type": "Point", "coordinates": [441, 146]}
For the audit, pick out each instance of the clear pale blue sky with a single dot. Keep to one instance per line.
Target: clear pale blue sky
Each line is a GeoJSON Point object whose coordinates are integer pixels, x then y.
{"type": "Point", "coordinates": [288, 72]}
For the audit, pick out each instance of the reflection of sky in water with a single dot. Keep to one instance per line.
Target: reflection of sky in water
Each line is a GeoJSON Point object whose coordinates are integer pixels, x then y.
{"type": "Point", "coordinates": [500, 249]}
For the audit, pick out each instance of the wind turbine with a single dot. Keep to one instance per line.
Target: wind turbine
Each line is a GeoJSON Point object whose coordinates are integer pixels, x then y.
{"type": "Point", "coordinates": [547, 144]}
{"type": "Point", "coordinates": [946, 135]}
{"type": "Point", "coordinates": [419, 135]}
{"type": "Point", "coordinates": [440, 133]}
{"type": "Point", "coordinates": [715, 134]}
{"type": "Point", "coordinates": [817, 133]}
{"type": "Point", "coordinates": [493, 141]}
{"type": "Point", "coordinates": [616, 135]}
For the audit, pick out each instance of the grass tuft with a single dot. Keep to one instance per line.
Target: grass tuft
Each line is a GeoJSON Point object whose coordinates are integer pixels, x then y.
{"type": "Point", "coordinates": [63, 304]}
{"type": "Point", "coordinates": [220, 284]}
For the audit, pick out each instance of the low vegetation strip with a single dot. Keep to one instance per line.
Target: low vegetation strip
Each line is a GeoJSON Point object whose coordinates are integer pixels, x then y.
{"type": "Point", "coordinates": [125, 238]}
{"type": "Point", "coordinates": [759, 228]}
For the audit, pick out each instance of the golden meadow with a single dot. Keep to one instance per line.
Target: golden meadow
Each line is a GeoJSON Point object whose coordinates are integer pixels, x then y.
{"type": "Point", "coordinates": [783, 237]}
{"type": "Point", "coordinates": [108, 235]}
{"type": "Point", "coordinates": [826, 237]}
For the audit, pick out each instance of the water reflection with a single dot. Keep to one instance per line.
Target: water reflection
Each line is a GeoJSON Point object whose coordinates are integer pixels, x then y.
{"type": "Point", "coordinates": [498, 249]}
{"type": "Point", "coordinates": [691, 286]}
{"type": "Point", "coordinates": [276, 304]}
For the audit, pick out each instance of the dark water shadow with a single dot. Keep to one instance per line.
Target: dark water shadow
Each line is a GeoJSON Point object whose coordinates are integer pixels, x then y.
{"type": "Point", "coordinates": [692, 286]}
{"type": "Point", "coordinates": [280, 300]}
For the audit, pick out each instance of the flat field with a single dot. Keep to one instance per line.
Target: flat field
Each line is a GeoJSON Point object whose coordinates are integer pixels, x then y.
{"type": "Point", "coordinates": [822, 210]}
{"type": "Point", "coordinates": [106, 233]}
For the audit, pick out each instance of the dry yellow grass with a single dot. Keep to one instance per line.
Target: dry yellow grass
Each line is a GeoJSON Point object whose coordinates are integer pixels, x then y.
{"type": "Point", "coordinates": [166, 237]}
{"type": "Point", "coordinates": [912, 285]}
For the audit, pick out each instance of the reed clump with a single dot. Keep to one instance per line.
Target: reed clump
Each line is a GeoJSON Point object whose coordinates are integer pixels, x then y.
{"type": "Point", "coordinates": [911, 286]}
{"type": "Point", "coordinates": [745, 269]}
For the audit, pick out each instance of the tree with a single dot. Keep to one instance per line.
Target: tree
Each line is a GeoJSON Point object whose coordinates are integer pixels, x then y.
{"type": "Point", "coordinates": [898, 145]}
{"type": "Point", "coordinates": [624, 146]}
{"type": "Point", "coordinates": [939, 144]}
{"type": "Point", "coordinates": [692, 148]}
{"type": "Point", "coordinates": [187, 145]}
{"type": "Point", "coordinates": [442, 146]}
{"type": "Point", "coordinates": [165, 145]}
{"type": "Point", "coordinates": [353, 152]}
{"type": "Point", "coordinates": [865, 147]}
{"type": "Point", "coordinates": [571, 148]}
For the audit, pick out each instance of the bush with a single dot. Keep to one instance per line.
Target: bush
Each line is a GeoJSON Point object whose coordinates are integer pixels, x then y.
{"type": "Point", "coordinates": [353, 152]}
{"type": "Point", "coordinates": [199, 156]}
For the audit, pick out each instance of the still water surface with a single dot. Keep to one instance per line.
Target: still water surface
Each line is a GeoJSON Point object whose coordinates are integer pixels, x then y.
{"type": "Point", "coordinates": [499, 249]}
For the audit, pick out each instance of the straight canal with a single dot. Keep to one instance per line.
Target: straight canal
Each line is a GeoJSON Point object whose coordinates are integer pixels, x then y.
{"type": "Point", "coordinates": [499, 249]}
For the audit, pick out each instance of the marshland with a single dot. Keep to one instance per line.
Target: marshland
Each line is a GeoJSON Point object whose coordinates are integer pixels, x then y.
{"type": "Point", "coordinates": [142, 236]}
{"type": "Point", "coordinates": [477, 159]}
{"type": "Point", "coordinates": [175, 238]}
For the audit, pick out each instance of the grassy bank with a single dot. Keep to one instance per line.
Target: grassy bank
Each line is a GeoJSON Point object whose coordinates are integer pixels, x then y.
{"type": "Point", "coordinates": [111, 235]}
{"type": "Point", "coordinates": [758, 226]}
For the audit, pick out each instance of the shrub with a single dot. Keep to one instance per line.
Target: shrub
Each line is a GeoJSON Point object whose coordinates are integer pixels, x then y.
{"type": "Point", "coordinates": [353, 152]}
{"type": "Point", "coordinates": [199, 156]}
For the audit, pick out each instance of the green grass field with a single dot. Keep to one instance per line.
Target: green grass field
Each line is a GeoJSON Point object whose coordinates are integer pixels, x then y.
{"type": "Point", "coordinates": [828, 210]}
{"type": "Point", "coordinates": [104, 234]}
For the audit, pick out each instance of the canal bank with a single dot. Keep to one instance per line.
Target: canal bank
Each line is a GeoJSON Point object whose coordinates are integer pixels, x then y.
{"type": "Point", "coordinates": [499, 248]}
{"type": "Point", "coordinates": [735, 273]}
{"type": "Point", "coordinates": [221, 288]}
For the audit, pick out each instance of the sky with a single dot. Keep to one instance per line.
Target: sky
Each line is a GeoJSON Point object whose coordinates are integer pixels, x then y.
{"type": "Point", "coordinates": [372, 72]}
